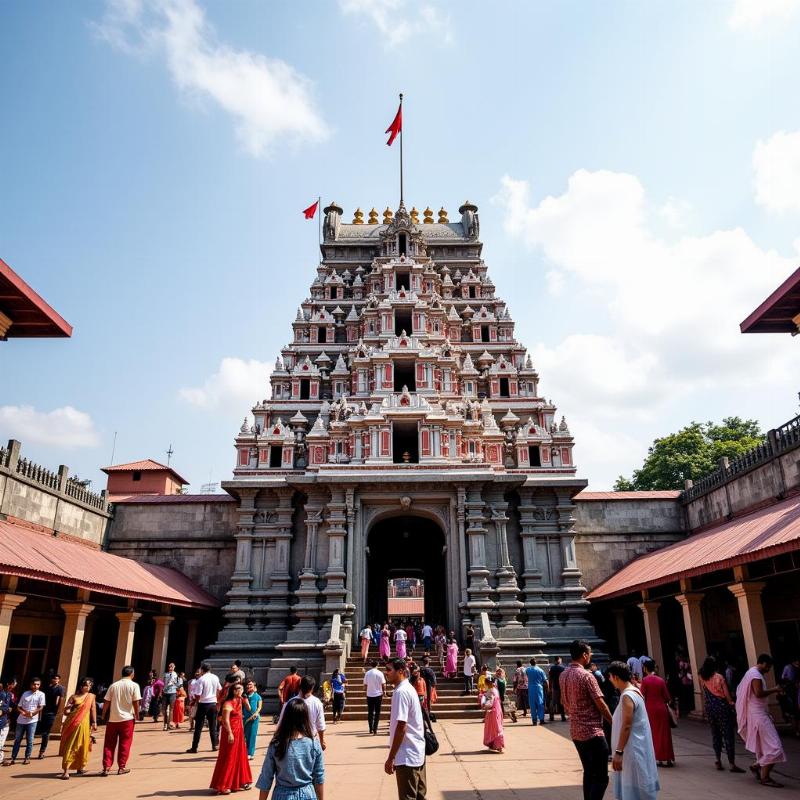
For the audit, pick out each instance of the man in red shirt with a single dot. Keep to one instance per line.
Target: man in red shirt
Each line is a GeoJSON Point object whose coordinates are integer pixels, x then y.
{"type": "Point", "coordinates": [583, 701]}
{"type": "Point", "coordinates": [289, 686]}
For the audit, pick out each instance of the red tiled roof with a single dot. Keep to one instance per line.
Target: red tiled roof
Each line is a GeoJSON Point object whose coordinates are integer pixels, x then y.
{"type": "Point", "coordinates": [767, 532]}
{"type": "Point", "coordinates": [30, 315]}
{"type": "Point", "coordinates": [28, 554]}
{"type": "Point", "coordinates": [662, 494]}
{"type": "Point", "coordinates": [171, 498]}
{"type": "Point", "coordinates": [147, 465]}
{"type": "Point", "coordinates": [776, 313]}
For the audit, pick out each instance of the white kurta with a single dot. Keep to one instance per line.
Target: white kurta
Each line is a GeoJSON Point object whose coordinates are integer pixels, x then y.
{"type": "Point", "coordinates": [638, 779]}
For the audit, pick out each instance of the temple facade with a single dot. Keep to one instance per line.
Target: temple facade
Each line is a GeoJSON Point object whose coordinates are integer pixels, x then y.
{"type": "Point", "coordinates": [405, 435]}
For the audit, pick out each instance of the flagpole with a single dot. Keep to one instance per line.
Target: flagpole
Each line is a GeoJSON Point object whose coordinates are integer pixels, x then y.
{"type": "Point", "coordinates": [319, 219]}
{"type": "Point", "coordinates": [401, 149]}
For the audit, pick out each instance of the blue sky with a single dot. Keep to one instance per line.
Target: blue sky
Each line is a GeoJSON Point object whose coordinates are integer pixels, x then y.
{"type": "Point", "coordinates": [636, 167]}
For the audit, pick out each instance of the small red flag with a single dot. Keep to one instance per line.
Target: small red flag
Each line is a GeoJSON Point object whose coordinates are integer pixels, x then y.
{"type": "Point", "coordinates": [396, 126]}
{"type": "Point", "coordinates": [311, 210]}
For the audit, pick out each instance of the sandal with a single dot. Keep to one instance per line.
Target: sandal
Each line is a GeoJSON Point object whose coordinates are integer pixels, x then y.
{"type": "Point", "coordinates": [772, 783]}
{"type": "Point", "coordinates": [64, 777]}
{"type": "Point", "coordinates": [26, 762]}
{"type": "Point", "coordinates": [123, 771]}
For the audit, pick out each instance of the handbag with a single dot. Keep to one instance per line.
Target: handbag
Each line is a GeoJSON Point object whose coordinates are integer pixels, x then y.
{"type": "Point", "coordinates": [431, 742]}
{"type": "Point", "coordinates": [673, 716]}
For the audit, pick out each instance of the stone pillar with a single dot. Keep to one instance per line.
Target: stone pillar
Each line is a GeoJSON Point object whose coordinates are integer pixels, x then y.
{"type": "Point", "coordinates": [509, 604]}
{"type": "Point", "coordinates": [237, 612]}
{"type": "Point", "coordinates": [335, 574]}
{"type": "Point", "coordinates": [127, 625]}
{"type": "Point", "coordinates": [572, 591]}
{"type": "Point", "coordinates": [69, 659]}
{"type": "Point", "coordinates": [278, 593]}
{"type": "Point", "coordinates": [478, 590]}
{"type": "Point", "coordinates": [161, 642]}
{"type": "Point", "coordinates": [306, 609]}
{"type": "Point", "coordinates": [751, 612]}
{"type": "Point", "coordinates": [8, 602]}
{"type": "Point", "coordinates": [622, 635]}
{"type": "Point", "coordinates": [535, 604]}
{"type": "Point", "coordinates": [191, 646]}
{"type": "Point", "coordinates": [695, 639]}
{"type": "Point", "coordinates": [652, 632]}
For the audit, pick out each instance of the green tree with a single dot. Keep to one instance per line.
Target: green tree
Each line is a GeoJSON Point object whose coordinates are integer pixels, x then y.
{"type": "Point", "coordinates": [692, 452]}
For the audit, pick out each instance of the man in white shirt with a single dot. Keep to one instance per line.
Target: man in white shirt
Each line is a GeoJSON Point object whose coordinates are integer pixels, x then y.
{"type": "Point", "coordinates": [190, 695]}
{"type": "Point", "coordinates": [206, 688]}
{"type": "Point", "coordinates": [30, 706]}
{"type": "Point", "coordinates": [316, 711]}
{"type": "Point", "coordinates": [469, 671]}
{"type": "Point", "coordinates": [120, 709]}
{"type": "Point", "coordinates": [427, 637]}
{"type": "Point", "coordinates": [406, 735]}
{"type": "Point", "coordinates": [374, 681]}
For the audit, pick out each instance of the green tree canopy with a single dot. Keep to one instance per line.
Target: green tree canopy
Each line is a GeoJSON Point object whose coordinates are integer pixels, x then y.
{"type": "Point", "coordinates": [692, 452]}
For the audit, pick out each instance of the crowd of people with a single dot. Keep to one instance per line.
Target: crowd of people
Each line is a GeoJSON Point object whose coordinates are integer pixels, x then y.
{"type": "Point", "coordinates": [623, 714]}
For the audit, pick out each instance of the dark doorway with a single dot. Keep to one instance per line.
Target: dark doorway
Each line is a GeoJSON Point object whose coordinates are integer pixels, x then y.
{"type": "Point", "coordinates": [472, 292]}
{"type": "Point", "coordinates": [322, 336]}
{"type": "Point", "coordinates": [402, 321]}
{"type": "Point", "coordinates": [403, 244]}
{"type": "Point", "coordinates": [484, 333]}
{"type": "Point", "coordinates": [405, 443]}
{"type": "Point", "coordinates": [406, 547]}
{"type": "Point", "coordinates": [305, 388]}
{"type": "Point", "coordinates": [504, 391]}
{"type": "Point", "coordinates": [402, 280]}
{"type": "Point", "coordinates": [534, 457]}
{"type": "Point", "coordinates": [404, 375]}
{"type": "Point", "coordinates": [275, 452]}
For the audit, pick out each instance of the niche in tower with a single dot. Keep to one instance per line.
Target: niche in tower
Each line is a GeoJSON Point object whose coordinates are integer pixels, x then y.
{"type": "Point", "coordinates": [275, 456]}
{"type": "Point", "coordinates": [402, 280]}
{"type": "Point", "coordinates": [534, 457]}
{"type": "Point", "coordinates": [402, 321]}
{"type": "Point", "coordinates": [305, 388]}
{"type": "Point", "coordinates": [405, 443]}
{"type": "Point", "coordinates": [402, 244]}
{"type": "Point", "coordinates": [405, 375]}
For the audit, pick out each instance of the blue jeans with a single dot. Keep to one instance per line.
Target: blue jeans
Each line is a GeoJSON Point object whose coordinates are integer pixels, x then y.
{"type": "Point", "coordinates": [27, 731]}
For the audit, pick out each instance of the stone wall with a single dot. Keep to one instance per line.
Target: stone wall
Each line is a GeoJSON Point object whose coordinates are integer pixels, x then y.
{"type": "Point", "coordinates": [48, 499]}
{"type": "Point", "coordinates": [191, 534]}
{"type": "Point", "coordinates": [611, 532]}
{"type": "Point", "coordinates": [759, 487]}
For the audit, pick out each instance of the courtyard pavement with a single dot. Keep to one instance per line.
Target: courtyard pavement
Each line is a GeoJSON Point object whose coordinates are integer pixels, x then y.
{"type": "Point", "coordinates": [538, 764]}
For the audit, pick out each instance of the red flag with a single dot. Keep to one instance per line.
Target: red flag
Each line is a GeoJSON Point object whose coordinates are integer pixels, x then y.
{"type": "Point", "coordinates": [396, 126]}
{"type": "Point", "coordinates": [311, 210]}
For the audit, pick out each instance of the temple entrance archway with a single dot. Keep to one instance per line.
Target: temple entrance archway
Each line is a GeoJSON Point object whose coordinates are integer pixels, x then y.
{"type": "Point", "coordinates": [406, 547]}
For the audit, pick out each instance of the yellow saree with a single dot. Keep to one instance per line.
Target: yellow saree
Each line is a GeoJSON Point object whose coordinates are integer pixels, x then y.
{"type": "Point", "coordinates": [76, 735]}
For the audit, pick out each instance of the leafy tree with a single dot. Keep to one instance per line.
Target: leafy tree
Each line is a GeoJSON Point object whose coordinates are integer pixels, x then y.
{"type": "Point", "coordinates": [692, 452]}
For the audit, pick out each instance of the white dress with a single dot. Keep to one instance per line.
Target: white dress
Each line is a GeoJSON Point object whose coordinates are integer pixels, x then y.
{"type": "Point", "coordinates": [638, 779]}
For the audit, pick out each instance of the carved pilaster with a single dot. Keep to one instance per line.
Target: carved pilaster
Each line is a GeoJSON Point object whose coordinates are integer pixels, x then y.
{"type": "Point", "coordinates": [572, 590]}
{"type": "Point", "coordinates": [238, 610]}
{"type": "Point", "coordinates": [278, 592]}
{"type": "Point", "coordinates": [307, 609]}
{"type": "Point", "coordinates": [335, 574]}
{"type": "Point", "coordinates": [508, 604]}
{"type": "Point", "coordinates": [479, 590]}
{"type": "Point", "coordinates": [530, 517]}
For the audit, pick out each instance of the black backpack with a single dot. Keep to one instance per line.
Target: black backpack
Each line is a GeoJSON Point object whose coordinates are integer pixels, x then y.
{"type": "Point", "coordinates": [431, 742]}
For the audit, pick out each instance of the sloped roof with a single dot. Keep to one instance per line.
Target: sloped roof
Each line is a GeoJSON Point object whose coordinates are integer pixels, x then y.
{"type": "Point", "coordinates": [30, 315]}
{"type": "Point", "coordinates": [27, 553]}
{"type": "Point", "coordinates": [130, 499]}
{"type": "Point", "coordinates": [147, 465]}
{"type": "Point", "coordinates": [767, 532]}
{"type": "Point", "coordinates": [777, 312]}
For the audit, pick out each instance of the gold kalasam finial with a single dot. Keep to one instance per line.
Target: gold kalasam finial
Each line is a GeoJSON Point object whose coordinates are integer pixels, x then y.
{"type": "Point", "coordinates": [428, 216]}
{"type": "Point", "coordinates": [414, 214]}
{"type": "Point", "coordinates": [443, 216]}
{"type": "Point", "coordinates": [387, 216]}
{"type": "Point", "coordinates": [358, 217]}
{"type": "Point", "coordinates": [373, 217]}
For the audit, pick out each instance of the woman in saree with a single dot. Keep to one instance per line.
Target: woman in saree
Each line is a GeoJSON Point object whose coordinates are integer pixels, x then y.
{"type": "Point", "coordinates": [80, 722]}
{"type": "Point", "coordinates": [384, 649]}
{"type": "Point", "coordinates": [493, 737]}
{"type": "Point", "coordinates": [179, 711]}
{"type": "Point", "coordinates": [451, 667]}
{"type": "Point", "coordinates": [232, 770]}
{"type": "Point", "coordinates": [251, 709]}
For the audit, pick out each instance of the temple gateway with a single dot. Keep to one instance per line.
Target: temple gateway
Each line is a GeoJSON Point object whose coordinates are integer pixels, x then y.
{"type": "Point", "coordinates": [405, 437]}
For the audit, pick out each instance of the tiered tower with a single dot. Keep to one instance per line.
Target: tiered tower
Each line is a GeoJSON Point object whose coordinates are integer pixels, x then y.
{"type": "Point", "coordinates": [405, 434]}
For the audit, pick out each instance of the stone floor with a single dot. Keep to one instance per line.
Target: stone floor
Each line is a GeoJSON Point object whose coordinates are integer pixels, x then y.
{"type": "Point", "coordinates": [539, 764]}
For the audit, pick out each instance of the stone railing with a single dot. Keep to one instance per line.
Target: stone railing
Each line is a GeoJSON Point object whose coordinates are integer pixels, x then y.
{"type": "Point", "coordinates": [778, 440]}
{"type": "Point", "coordinates": [57, 482]}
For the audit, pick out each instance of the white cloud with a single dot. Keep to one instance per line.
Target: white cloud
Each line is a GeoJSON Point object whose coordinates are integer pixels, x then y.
{"type": "Point", "coordinates": [776, 172]}
{"type": "Point", "coordinates": [675, 213]}
{"type": "Point", "coordinates": [397, 20]}
{"type": "Point", "coordinates": [62, 427]}
{"type": "Point", "coordinates": [661, 316]}
{"type": "Point", "coordinates": [268, 99]}
{"type": "Point", "coordinates": [237, 385]}
{"type": "Point", "coordinates": [751, 14]}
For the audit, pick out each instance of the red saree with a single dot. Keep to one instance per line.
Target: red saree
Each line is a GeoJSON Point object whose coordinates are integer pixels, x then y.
{"type": "Point", "coordinates": [232, 771]}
